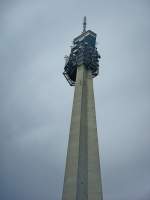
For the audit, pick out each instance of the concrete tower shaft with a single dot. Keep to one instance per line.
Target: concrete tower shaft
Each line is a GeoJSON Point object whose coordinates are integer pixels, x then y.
{"type": "Point", "coordinates": [82, 174]}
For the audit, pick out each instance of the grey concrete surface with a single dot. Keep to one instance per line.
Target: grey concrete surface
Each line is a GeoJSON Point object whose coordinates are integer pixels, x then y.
{"type": "Point", "coordinates": [82, 174]}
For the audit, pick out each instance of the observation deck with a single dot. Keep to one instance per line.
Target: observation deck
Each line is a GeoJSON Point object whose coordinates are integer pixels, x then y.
{"type": "Point", "coordinates": [83, 51]}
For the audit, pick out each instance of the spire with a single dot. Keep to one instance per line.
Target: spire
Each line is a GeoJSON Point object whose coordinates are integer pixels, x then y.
{"type": "Point", "coordinates": [84, 24]}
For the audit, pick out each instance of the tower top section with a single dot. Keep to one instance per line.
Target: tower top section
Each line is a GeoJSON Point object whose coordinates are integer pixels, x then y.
{"type": "Point", "coordinates": [84, 24]}
{"type": "Point", "coordinates": [83, 51]}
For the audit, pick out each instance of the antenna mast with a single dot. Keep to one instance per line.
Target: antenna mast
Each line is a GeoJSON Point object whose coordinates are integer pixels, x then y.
{"type": "Point", "coordinates": [84, 24]}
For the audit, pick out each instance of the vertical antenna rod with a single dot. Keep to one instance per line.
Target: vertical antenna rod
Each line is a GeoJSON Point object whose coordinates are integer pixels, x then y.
{"type": "Point", "coordinates": [84, 24]}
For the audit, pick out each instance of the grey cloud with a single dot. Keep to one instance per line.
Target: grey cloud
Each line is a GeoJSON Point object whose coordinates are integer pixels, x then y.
{"type": "Point", "coordinates": [36, 100]}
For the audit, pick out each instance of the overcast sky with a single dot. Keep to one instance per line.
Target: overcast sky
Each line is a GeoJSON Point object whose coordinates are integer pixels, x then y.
{"type": "Point", "coordinates": [36, 100]}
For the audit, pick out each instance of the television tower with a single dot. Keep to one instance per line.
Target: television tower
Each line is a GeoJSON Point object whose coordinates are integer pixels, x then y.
{"type": "Point", "coordinates": [82, 179]}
